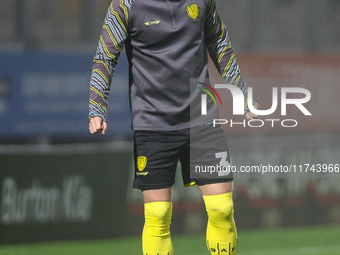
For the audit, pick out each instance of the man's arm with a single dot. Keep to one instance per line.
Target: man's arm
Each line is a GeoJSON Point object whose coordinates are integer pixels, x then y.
{"type": "Point", "coordinates": [111, 41]}
{"type": "Point", "coordinates": [222, 54]}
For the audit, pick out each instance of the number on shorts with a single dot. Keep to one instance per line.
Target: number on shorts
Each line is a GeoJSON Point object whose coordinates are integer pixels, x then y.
{"type": "Point", "coordinates": [224, 163]}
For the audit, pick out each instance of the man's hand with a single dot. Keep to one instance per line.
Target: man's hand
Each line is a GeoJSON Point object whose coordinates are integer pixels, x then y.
{"type": "Point", "coordinates": [250, 115]}
{"type": "Point", "coordinates": [97, 125]}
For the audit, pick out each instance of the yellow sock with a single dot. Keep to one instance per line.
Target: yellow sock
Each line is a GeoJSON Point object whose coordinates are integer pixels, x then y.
{"type": "Point", "coordinates": [221, 229]}
{"type": "Point", "coordinates": [156, 231]}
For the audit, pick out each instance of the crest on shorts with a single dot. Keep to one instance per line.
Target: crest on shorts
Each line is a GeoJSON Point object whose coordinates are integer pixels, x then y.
{"type": "Point", "coordinates": [141, 163]}
{"type": "Point", "coordinates": [193, 11]}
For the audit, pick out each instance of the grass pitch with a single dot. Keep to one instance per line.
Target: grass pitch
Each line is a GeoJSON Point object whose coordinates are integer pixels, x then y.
{"type": "Point", "coordinates": [302, 241]}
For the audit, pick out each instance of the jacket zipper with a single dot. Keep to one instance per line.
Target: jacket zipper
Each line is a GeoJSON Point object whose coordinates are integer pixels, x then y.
{"type": "Point", "coordinates": [173, 21]}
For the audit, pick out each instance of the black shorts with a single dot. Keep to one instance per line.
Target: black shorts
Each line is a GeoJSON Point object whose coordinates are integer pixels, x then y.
{"type": "Point", "coordinates": [202, 151]}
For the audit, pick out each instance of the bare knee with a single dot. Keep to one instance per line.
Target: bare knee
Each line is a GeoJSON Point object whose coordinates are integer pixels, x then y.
{"type": "Point", "coordinates": [216, 188]}
{"type": "Point", "coordinates": [157, 195]}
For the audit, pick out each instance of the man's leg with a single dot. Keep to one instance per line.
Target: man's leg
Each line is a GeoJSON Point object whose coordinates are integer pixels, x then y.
{"type": "Point", "coordinates": [221, 229]}
{"type": "Point", "coordinates": [157, 213]}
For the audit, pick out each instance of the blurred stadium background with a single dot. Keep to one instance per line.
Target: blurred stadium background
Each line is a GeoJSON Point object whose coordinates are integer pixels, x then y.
{"type": "Point", "coordinates": [58, 183]}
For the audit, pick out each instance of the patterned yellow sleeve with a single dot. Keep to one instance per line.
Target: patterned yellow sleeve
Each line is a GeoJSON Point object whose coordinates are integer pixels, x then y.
{"type": "Point", "coordinates": [111, 41]}
{"type": "Point", "coordinates": [221, 52]}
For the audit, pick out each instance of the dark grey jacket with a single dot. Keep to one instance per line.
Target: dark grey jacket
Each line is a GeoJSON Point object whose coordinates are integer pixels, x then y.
{"type": "Point", "coordinates": [166, 43]}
